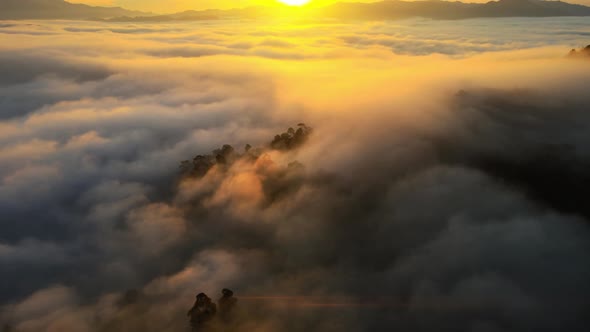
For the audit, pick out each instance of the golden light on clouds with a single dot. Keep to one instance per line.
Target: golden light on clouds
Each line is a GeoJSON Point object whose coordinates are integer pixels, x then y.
{"type": "Point", "coordinates": [114, 174]}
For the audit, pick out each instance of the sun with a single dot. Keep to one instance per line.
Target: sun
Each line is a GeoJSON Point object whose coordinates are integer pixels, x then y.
{"type": "Point", "coordinates": [294, 2]}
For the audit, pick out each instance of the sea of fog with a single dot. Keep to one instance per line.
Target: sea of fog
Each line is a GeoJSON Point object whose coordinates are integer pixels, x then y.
{"type": "Point", "coordinates": [441, 186]}
{"type": "Point", "coordinates": [410, 36]}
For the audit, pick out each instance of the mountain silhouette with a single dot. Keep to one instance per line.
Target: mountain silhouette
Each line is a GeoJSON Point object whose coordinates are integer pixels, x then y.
{"type": "Point", "coordinates": [393, 9]}
{"type": "Point", "coordinates": [58, 9]}
{"type": "Point", "coordinates": [454, 10]}
{"type": "Point", "coordinates": [384, 10]}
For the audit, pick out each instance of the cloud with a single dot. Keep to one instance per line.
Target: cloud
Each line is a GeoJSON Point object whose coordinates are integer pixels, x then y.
{"type": "Point", "coordinates": [32, 252]}
{"type": "Point", "coordinates": [22, 68]}
{"type": "Point", "coordinates": [423, 200]}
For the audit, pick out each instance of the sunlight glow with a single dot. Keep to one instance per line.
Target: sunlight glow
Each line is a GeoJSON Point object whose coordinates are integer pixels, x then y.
{"type": "Point", "coordinates": [295, 2]}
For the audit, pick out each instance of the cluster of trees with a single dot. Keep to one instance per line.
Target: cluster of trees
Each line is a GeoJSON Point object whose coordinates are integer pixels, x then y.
{"type": "Point", "coordinates": [583, 52]}
{"type": "Point", "coordinates": [291, 139]}
{"type": "Point", "coordinates": [227, 155]}
{"type": "Point", "coordinates": [201, 164]}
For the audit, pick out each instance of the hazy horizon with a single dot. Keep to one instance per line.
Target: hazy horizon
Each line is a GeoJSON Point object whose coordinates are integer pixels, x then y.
{"type": "Point", "coordinates": [173, 6]}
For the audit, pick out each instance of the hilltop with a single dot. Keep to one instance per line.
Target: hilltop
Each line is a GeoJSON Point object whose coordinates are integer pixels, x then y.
{"type": "Point", "coordinates": [59, 9]}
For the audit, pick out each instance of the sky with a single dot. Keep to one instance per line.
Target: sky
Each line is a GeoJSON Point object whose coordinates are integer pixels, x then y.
{"type": "Point", "coordinates": [423, 198]}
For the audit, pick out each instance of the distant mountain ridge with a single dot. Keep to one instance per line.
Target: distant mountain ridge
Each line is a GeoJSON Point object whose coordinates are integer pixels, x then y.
{"type": "Point", "coordinates": [208, 14]}
{"type": "Point", "coordinates": [454, 10]}
{"type": "Point", "coordinates": [395, 9]}
{"type": "Point", "coordinates": [384, 10]}
{"type": "Point", "coordinates": [59, 9]}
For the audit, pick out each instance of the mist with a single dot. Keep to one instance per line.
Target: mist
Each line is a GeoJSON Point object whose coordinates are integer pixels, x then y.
{"type": "Point", "coordinates": [440, 187]}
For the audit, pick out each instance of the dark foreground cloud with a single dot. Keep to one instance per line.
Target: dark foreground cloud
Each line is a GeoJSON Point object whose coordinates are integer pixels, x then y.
{"type": "Point", "coordinates": [453, 202]}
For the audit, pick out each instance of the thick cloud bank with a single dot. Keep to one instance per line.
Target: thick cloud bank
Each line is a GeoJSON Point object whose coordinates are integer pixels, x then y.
{"type": "Point", "coordinates": [440, 192]}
